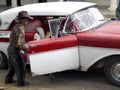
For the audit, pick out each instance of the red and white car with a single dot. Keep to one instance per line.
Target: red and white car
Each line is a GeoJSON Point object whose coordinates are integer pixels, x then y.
{"type": "Point", "coordinates": [81, 39]}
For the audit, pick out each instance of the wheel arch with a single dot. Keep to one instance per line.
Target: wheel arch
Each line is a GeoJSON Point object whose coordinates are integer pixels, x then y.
{"type": "Point", "coordinates": [101, 62]}
{"type": "Point", "coordinates": [11, 25]}
{"type": "Point", "coordinates": [3, 60]}
{"type": "Point", "coordinates": [3, 47]}
{"type": "Point", "coordinates": [112, 70]}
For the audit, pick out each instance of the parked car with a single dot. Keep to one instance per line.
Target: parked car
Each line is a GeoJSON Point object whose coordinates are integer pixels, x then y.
{"type": "Point", "coordinates": [80, 38]}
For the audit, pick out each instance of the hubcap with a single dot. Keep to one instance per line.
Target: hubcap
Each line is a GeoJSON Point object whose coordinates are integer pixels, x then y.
{"type": "Point", "coordinates": [115, 71]}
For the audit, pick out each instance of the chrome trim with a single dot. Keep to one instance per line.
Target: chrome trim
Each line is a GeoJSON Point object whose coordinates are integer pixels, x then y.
{"type": "Point", "coordinates": [115, 71]}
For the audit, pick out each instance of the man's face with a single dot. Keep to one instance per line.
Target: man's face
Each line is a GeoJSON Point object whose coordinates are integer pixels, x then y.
{"type": "Point", "coordinates": [25, 21]}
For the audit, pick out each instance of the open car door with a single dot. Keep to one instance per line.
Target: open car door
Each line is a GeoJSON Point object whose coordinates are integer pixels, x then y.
{"type": "Point", "coordinates": [53, 55]}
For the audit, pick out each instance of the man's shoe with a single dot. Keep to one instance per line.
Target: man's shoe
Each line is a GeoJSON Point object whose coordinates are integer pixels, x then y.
{"type": "Point", "coordinates": [23, 84]}
{"type": "Point", "coordinates": [10, 81]}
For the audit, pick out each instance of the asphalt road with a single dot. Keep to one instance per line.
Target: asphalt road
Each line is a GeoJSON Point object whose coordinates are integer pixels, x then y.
{"type": "Point", "coordinates": [68, 80]}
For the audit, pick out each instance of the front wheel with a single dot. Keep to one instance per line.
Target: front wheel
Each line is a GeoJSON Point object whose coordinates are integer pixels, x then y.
{"type": "Point", "coordinates": [112, 70]}
{"type": "Point", "coordinates": [3, 60]}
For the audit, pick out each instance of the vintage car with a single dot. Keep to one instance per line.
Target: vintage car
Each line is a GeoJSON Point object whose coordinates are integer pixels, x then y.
{"type": "Point", "coordinates": [80, 38]}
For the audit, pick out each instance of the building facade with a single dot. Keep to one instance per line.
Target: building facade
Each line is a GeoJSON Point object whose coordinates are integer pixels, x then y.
{"type": "Point", "coordinates": [9, 2]}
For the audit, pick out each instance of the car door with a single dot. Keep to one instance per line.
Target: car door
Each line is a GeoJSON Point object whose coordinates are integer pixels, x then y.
{"type": "Point", "coordinates": [53, 55]}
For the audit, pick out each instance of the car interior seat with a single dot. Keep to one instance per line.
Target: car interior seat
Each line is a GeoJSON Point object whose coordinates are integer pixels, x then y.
{"type": "Point", "coordinates": [33, 25]}
{"type": "Point", "coordinates": [40, 34]}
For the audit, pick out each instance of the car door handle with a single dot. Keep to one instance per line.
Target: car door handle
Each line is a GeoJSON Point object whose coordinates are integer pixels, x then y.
{"type": "Point", "coordinates": [34, 45]}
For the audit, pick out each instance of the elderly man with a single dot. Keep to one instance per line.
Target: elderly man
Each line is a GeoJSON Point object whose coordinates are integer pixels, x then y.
{"type": "Point", "coordinates": [16, 63]}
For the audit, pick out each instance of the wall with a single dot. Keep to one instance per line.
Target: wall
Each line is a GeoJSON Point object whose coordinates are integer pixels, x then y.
{"type": "Point", "coordinates": [2, 2]}
{"type": "Point", "coordinates": [99, 2]}
{"type": "Point", "coordinates": [24, 2]}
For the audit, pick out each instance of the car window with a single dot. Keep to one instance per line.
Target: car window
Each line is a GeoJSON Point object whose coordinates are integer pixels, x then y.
{"type": "Point", "coordinates": [87, 18]}
{"type": "Point", "coordinates": [54, 26]}
{"type": "Point", "coordinates": [69, 26]}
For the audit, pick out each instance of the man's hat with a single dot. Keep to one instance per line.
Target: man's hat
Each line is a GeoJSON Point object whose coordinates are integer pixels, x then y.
{"type": "Point", "coordinates": [23, 15]}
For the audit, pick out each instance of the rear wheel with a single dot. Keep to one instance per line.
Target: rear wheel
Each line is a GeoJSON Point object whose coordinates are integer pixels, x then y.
{"type": "Point", "coordinates": [112, 70]}
{"type": "Point", "coordinates": [3, 60]}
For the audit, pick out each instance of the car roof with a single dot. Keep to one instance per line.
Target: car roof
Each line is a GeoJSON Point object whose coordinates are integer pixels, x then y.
{"type": "Point", "coordinates": [59, 8]}
{"type": "Point", "coordinates": [52, 8]}
{"type": "Point", "coordinates": [45, 9]}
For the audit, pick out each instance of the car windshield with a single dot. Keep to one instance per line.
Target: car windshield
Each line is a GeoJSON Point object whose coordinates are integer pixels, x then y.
{"type": "Point", "coordinates": [88, 18]}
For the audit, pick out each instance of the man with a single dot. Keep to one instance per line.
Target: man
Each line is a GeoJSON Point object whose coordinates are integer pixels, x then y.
{"type": "Point", "coordinates": [16, 63]}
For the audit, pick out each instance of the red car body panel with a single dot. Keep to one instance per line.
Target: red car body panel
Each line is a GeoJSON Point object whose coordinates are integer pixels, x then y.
{"type": "Point", "coordinates": [52, 44]}
{"type": "Point", "coordinates": [106, 36]}
{"type": "Point", "coordinates": [30, 31]}
{"type": "Point", "coordinates": [112, 27]}
{"type": "Point", "coordinates": [98, 39]}
{"type": "Point", "coordinates": [29, 36]}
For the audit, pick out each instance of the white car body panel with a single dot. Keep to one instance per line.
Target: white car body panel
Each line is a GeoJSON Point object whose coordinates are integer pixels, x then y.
{"type": "Point", "coordinates": [69, 58]}
{"type": "Point", "coordinates": [54, 61]}
{"type": "Point", "coordinates": [3, 46]}
{"type": "Point", "coordinates": [91, 55]}
{"type": "Point", "coordinates": [4, 34]}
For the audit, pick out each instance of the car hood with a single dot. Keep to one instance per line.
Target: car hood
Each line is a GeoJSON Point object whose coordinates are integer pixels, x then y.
{"type": "Point", "coordinates": [111, 27]}
{"type": "Point", "coordinates": [106, 36]}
